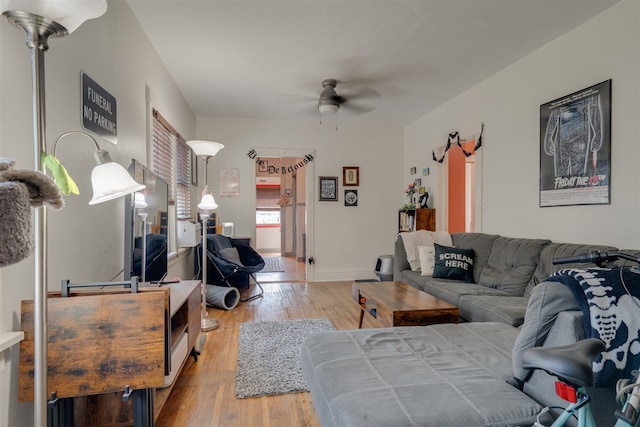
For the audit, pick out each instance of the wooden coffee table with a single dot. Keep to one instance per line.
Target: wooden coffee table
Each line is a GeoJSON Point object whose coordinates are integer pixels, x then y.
{"type": "Point", "coordinates": [399, 304]}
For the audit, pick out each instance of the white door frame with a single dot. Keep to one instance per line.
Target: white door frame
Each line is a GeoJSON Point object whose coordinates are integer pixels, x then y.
{"type": "Point", "coordinates": [309, 191]}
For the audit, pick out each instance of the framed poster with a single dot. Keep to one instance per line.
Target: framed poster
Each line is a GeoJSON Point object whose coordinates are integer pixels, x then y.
{"type": "Point", "coordinates": [328, 188]}
{"type": "Point", "coordinates": [350, 176]}
{"type": "Point", "coordinates": [575, 148]}
{"type": "Point", "coordinates": [351, 197]}
{"type": "Point", "coordinates": [230, 182]}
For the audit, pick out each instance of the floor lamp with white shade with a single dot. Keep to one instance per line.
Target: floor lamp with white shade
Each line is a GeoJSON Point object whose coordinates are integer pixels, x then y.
{"type": "Point", "coordinates": [206, 150]}
{"type": "Point", "coordinates": [41, 19]}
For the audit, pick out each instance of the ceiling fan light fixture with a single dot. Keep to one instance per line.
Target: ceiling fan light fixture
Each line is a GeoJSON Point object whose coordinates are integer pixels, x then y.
{"type": "Point", "coordinates": [328, 109]}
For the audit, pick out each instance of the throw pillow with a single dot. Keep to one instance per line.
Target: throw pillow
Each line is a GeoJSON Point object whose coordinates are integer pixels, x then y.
{"type": "Point", "coordinates": [427, 255]}
{"type": "Point", "coordinates": [231, 255]}
{"type": "Point", "coordinates": [453, 263]}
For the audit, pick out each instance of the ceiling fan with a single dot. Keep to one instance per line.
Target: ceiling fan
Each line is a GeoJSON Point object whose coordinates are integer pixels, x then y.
{"type": "Point", "coordinates": [358, 100]}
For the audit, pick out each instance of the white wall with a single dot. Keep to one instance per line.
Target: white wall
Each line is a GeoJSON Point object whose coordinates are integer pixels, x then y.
{"type": "Point", "coordinates": [85, 242]}
{"type": "Point", "coordinates": [607, 47]}
{"type": "Point", "coordinates": [346, 240]}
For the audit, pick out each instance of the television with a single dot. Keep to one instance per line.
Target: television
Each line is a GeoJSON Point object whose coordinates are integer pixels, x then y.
{"type": "Point", "coordinates": [146, 227]}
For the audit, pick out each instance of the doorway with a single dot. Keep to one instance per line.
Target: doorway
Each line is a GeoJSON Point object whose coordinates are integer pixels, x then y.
{"type": "Point", "coordinates": [281, 218]}
{"type": "Point", "coordinates": [461, 189]}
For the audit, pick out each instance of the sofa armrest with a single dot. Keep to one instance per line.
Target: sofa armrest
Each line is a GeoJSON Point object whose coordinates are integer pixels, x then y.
{"type": "Point", "coordinates": [400, 261]}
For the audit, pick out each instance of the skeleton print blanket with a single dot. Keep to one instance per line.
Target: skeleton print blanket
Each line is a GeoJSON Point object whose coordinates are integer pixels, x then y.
{"type": "Point", "coordinates": [609, 298]}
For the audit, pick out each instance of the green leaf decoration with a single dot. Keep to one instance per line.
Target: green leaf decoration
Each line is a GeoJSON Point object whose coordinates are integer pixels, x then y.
{"type": "Point", "coordinates": [65, 183]}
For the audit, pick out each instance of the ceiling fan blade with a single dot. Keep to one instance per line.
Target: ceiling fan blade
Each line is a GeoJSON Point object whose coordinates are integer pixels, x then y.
{"type": "Point", "coordinates": [361, 101]}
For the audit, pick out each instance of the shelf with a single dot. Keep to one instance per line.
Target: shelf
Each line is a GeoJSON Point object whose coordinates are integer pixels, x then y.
{"type": "Point", "coordinates": [9, 339]}
{"type": "Point", "coordinates": [416, 219]}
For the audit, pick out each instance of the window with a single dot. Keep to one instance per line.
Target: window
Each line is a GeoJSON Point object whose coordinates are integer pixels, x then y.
{"type": "Point", "coordinates": [183, 179]}
{"type": "Point", "coordinates": [171, 161]}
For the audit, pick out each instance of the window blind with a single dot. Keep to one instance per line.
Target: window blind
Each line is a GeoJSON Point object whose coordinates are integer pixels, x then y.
{"type": "Point", "coordinates": [183, 179]}
{"type": "Point", "coordinates": [171, 161]}
{"type": "Point", "coordinates": [162, 156]}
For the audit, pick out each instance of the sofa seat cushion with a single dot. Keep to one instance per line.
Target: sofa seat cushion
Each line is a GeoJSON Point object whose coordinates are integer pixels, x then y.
{"type": "Point", "coordinates": [413, 278]}
{"type": "Point", "coordinates": [511, 264]}
{"type": "Point", "coordinates": [493, 308]}
{"type": "Point", "coordinates": [440, 375]}
{"type": "Point", "coordinates": [451, 290]}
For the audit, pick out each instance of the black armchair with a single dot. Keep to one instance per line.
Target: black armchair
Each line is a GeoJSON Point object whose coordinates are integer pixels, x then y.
{"type": "Point", "coordinates": [231, 263]}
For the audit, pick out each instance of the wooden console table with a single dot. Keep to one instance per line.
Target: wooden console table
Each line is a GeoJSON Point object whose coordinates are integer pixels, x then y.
{"type": "Point", "coordinates": [102, 343]}
{"type": "Point", "coordinates": [398, 304]}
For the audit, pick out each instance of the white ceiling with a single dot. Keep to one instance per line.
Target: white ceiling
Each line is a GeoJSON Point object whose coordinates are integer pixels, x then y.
{"type": "Point", "coordinates": [267, 59]}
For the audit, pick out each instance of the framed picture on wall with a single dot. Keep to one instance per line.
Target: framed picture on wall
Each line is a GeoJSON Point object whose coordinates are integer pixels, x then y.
{"type": "Point", "coordinates": [328, 188]}
{"type": "Point", "coordinates": [230, 182]}
{"type": "Point", "coordinates": [575, 148]}
{"type": "Point", "coordinates": [351, 197]}
{"type": "Point", "coordinates": [350, 176]}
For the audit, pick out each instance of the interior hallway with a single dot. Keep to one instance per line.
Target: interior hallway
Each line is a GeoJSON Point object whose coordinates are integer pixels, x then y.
{"type": "Point", "coordinates": [294, 270]}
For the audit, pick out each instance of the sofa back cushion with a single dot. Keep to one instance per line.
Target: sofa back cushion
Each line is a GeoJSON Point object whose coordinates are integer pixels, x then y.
{"type": "Point", "coordinates": [546, 268]}
{"type": "Point", "coordinates": [511, 264]}
{"type": "Point", "coordinates": [480, 243]}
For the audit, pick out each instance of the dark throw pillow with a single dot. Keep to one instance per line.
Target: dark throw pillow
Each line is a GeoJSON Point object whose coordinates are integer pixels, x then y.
{"type": "Point", "coordinates": [453, 263]}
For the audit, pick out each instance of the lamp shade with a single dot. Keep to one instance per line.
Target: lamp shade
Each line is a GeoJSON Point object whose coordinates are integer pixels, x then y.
{"type": "Point", "coordinates": [139, 200]}
{"type": "Point", "coordinates": [205, 148]}
{"type": "Point", "coordinates": [328, 109]}
{"type": "Point", "coordinates": [68, 13]}
{"type": "Point", "coordinates": [207, 203]}
{"type": "Point", "coordinates": [110, 181]}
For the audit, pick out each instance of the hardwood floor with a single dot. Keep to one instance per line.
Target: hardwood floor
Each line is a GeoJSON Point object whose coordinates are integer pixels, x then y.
{"type": "Point", "coordinates": [294, 270]}
{"type": "Point", "coordinates": [204, 393]}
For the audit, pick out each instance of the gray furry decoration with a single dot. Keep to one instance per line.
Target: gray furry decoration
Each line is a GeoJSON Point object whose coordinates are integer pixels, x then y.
{"type": "Point", "coordinates": [19, 191]}
{"type": "Point", "coordinates": [16, 239]}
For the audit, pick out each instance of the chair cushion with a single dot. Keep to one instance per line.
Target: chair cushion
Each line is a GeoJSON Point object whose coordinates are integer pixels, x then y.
{"type": "Point", "coordinates": [231, 255]}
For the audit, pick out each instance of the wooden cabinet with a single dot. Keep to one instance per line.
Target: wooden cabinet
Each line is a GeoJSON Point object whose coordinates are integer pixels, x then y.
{"type": "Point", "coordinates": [101, 342]}
{"type": "Point", "coordinates": [416, 219]}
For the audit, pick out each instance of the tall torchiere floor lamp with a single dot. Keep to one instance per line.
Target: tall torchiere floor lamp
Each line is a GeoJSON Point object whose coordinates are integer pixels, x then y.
{"type": "Point", "coordinates": [206, 150]}
{"type": "Point", "coordinates": [41, 19]}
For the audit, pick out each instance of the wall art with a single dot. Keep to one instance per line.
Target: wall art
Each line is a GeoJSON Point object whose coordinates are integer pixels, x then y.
{"type": "Point", "coordinates": [350, 176]}
{"type": "Point", "coordinates": [328, 188]}
{"type": "Point", "coordinates": [575, 148]}
{"type": "Point", "coordinates": [351, 197]}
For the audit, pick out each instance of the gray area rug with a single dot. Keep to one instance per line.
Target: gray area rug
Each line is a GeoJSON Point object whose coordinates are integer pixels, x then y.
{"type": "Point", "coordinates": [272, 264]}
{"type": "Point", "coordinates": [269, 356]}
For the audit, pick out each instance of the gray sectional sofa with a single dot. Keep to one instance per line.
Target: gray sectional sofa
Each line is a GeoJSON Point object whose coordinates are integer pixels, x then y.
{"type": "Point", "coordinates": [505, 271]}
{"type": "Point", "coordinates": [466, 374]}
